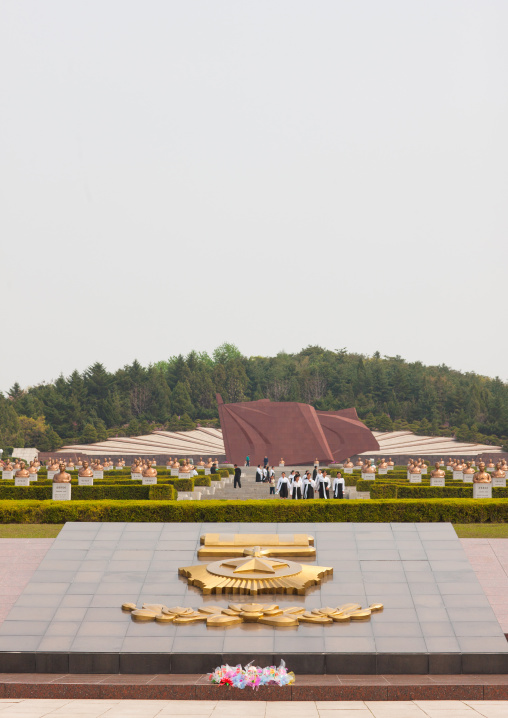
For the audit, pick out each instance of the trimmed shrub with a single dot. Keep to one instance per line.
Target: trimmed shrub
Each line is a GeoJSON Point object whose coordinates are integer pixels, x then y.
{"type": "Point", "coordinates": [202, 481]}
{"type": "Point", "coordinates": [161, 492]}
{"type": "Point", "coordinates": [269, 511]}
{"type": "Point", "coordinates": [133, 491]}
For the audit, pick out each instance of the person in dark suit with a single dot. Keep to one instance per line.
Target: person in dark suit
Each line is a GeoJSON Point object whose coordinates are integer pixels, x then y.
{"type": "Point", "coordinates": [238, 475]}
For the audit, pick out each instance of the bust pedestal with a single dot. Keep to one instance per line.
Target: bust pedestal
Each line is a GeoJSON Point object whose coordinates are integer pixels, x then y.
{"type": "Point", "coordinates": [175, 472]}
{"type": "Point", "coordinates": [51, 474]}
{"type": "Point", "coordinates": [21, 481]}
{"type": "Point", "coordinates": [98, 474]}
{"type": "Point", "coordinates": [482, 491]}
{"type": "Point", "coordinates": [382, 471]}
{"type": "Point", "coordinates": [348, 471]}
{"type": "Point", "coordinates": [498, 481]}
{"type": "Point", "coordinates": [458, 476]}
{"type": "Point", "coordinates": [136, 476]}
{"type": "Point", "coordinates": [61, 492]}
{"type": "Point", "coordinates": [184, 475]}
{"type": "Point", "coordinates": [424, 470]}
{"type": "Point", "coordinates": [85, 480]}
{"type": "Point", "coordinates": [7, 475]}
{"type": "Point", "coordinates": [148, 480]}
{"type": "Point", "coordinates": [437, 480]}
{"type": "Point", "coordinates": [467, 478]}
{"type": "Point", "coordinates": [207, 472]}
{"type": "Point", "coordinates": [368, 477]}
{"type": "Point", "coordinates": [415, 478]}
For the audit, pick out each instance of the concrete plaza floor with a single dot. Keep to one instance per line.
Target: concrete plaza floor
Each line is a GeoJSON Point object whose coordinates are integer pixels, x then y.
{"type": "Point", "coordinates": [228, 709]}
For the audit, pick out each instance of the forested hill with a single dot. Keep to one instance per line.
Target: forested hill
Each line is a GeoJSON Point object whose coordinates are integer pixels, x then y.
{"type": "Point", "coordinates": [388, 393]}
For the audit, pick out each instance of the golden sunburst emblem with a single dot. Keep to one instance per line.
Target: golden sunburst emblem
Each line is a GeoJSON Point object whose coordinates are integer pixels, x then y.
{"type": "Point", "coordinates": [254, 574]}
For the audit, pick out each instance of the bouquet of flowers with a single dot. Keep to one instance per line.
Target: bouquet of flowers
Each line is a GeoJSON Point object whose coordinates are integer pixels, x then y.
{"type": "Point", "coordinates": [252, 676]}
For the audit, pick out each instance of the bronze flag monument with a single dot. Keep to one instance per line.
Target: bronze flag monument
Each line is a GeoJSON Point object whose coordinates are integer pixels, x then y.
{"type": "Point", "coordinates": [293, 430]}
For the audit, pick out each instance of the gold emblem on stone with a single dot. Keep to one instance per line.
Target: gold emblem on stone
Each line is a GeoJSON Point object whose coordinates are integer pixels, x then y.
{"type": "Point", "coordinates": [244, 568]}
{"type": "Point", "coordinates": [269, 614]}
{"type": "Point", "coordinates": [254, 574]}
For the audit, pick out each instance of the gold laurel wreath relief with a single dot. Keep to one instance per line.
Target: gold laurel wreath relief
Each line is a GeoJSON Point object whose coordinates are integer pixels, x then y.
{"type": "Point", "coordinates": [270, 614]}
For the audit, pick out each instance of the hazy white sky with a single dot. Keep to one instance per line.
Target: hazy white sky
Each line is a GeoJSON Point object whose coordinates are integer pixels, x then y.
{"type": "Point", "coordinates": [278, 173]}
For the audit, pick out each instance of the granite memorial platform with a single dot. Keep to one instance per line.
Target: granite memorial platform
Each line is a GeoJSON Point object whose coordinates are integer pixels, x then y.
{"type": "Point", "coordinates": [436, 617]}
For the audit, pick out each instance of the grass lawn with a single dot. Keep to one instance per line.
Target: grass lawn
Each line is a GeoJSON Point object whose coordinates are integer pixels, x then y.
{"type": "Point", "coordinates": [30, 530]}
{"type": "Point", "coordinates": [481, 530]}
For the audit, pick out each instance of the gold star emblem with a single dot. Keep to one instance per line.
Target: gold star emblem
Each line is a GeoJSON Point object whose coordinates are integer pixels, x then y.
{"type": "Point", "coordinates": [254, 565]}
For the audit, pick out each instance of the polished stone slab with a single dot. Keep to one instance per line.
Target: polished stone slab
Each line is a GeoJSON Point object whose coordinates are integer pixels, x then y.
{"type": "Point", "coordinates": [437, 618]}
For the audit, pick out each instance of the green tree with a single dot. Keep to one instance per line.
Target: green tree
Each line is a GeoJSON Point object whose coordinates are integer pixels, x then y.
{"type": "Point", "coordinates": [89, 434]}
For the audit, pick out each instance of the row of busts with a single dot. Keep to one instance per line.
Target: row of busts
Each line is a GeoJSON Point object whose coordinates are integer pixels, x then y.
{"type": "Point", "coordinates": [175, 464]}
{"type": "Point", "coordinates": [144, 467]}
{"type": "Point", "coordinates": [19, 467]}
{"type": "Point", "coordinates": [368, 466]}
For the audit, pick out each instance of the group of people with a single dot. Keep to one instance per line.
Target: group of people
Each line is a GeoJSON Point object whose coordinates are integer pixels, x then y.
{"type": "Point", "coordinates": [311, 486]}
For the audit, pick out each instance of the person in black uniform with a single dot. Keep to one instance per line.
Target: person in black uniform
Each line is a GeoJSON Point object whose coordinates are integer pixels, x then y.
{"type": "Point", "coordinates": [238, 476]}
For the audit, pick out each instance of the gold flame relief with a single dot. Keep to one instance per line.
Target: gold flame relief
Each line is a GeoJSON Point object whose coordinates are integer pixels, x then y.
{"type": "Point", "coordinates": [244, 567]}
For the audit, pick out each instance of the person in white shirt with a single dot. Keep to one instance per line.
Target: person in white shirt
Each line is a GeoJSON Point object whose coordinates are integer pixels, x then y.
{"type": "Point", "coordinates": [297, 487]}
{"type": "Point", "coordinates": [283, 486]}
{"type": "Point", "coordinates": [338, 487]}
{"type": "Point", "coordinates": [259, 473]}
{"type": "Point", "coordinates": [265, 474]}
{"type": "Point", "coordinates": [308, 486]}
{"type": "Point", "coordinates": [322, 484]}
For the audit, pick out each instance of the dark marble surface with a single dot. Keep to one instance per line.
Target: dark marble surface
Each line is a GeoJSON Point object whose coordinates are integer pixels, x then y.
{"type": "Point", "coordinates": [436, 615]}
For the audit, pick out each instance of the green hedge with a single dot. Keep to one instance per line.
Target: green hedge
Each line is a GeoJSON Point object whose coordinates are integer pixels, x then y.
{"type": "Point", "coordinates": [319, 511]}
{"type": "Point", "coordinates": [385, 491]}
{"type": "Point", "coordinates": [133, 491]}
{"type": "Point", "coordinates": [202, 481]}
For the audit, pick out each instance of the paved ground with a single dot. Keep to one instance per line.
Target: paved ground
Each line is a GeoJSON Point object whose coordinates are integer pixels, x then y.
{"type": "Point", "coordinates": [18, 560]}
{"type": "Point", "coordinates": [489, 558]}
{"type": "Point", "coordinates": [228, 709]}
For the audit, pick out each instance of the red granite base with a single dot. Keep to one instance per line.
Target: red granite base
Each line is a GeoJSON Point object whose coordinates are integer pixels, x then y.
{"type": "Point", "coordinates": [306, 688]}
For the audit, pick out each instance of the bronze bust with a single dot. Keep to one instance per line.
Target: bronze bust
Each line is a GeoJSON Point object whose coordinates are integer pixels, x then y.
{"type": "Point", "coordinates": [482, 476]}
{"type": "Point", "coordinates": [85, 471]}
{"type": "Point", "coordinates": [62, 477]}
{"type": "Point", "coordinates": [438, 472]}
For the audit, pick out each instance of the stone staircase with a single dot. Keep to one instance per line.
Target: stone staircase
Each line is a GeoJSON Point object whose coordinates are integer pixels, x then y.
{"type": "Point", "coordinates": [250, 488]}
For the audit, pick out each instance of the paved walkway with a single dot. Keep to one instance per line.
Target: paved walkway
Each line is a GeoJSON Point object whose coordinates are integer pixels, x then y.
{"type": "Point", "coordinates": [489, 558]}
{"type": "Point", "coordinates": [18, 560]}
{"type": "Point", "coordinates": [222, 709]}
{"type": "Point", "coordinates": [261, 709]}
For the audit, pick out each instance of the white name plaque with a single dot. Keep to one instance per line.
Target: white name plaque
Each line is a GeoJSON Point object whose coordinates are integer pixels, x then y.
{"type": "Point", "coordinates": [449, 467]}
{"type": "Point", "coordinates": [437, 480]}
{"type": "Point", "coordinates": [348, 471]}
{"type": "Point", "coordinates": [499, 481]}
{"type": "Point", "coordinates": [184, 475]}
{"type": "Point", "coordinates": [21, 481]}
{"type": "Point", "coordinates": [467, 478]}
{"type": "Point", "coordinates": [137, 477]}
{"type": "Point", "coordinates": [98, 474]}
{"type": "Point", "coordinates": [424, 469]}
{"type": "Point", "coordinates": [368, 477]}
{"type": "Point", "coordinates": [458, 476]}
{"type": "Point", "coordinates": [85, 480]}
{"type": "Point", "coordinates": [61, 492]}
{"type": "Point", "coordinates": [7, 475]}
{"type": "Point", "coordinates": [482, 491]}
{"type": "Point", "coordinates": [147, 480]}
{"type": "Point", "coordinates": [175, 472]}
{"type": "Point", "coordinates": [382, 471]}
{"type": "Point", "coordinates": [415, 478]}
{"type": "Point", "coordinates": [207, 472]}
{"type": "Point", "coordinates": [390, 468]}
{"type": "Point", "coordinates": [490, 468]}
{"type": "Point", "coordinates": [51, 474]}
{"type": "Point", "coordinates": [33, 477]}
